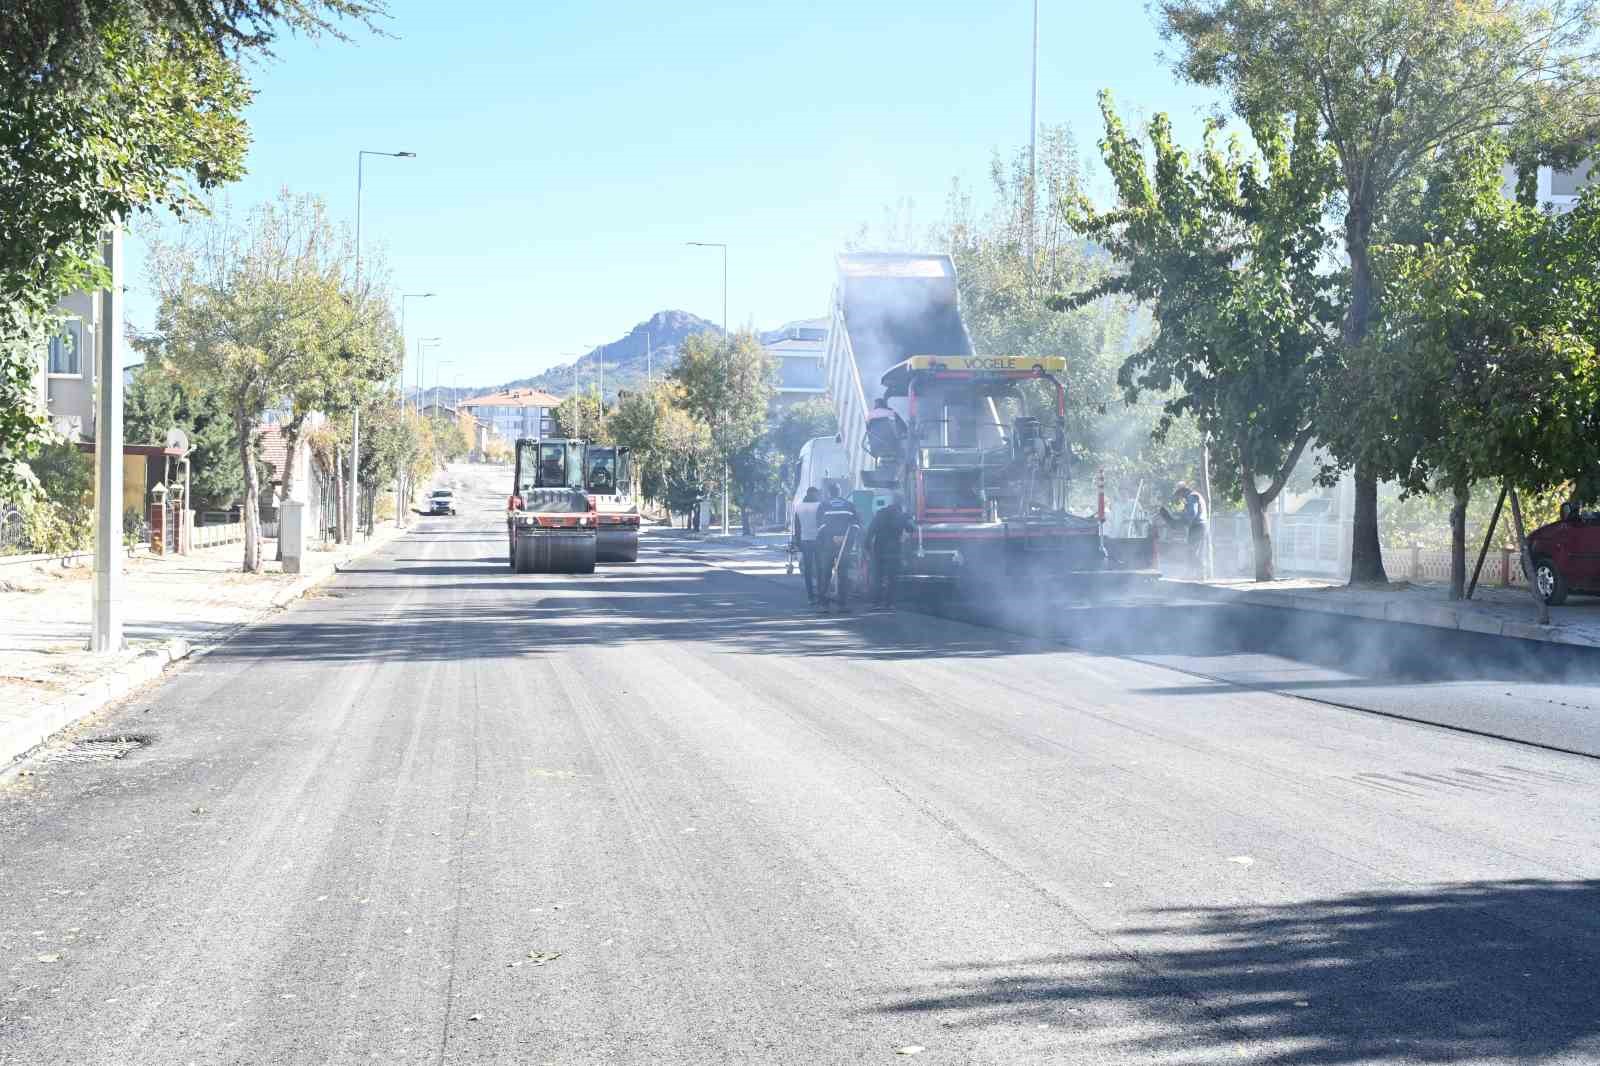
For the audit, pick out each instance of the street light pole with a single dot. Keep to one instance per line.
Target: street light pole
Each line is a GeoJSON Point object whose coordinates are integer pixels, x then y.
{"type": "Point", "coordinates": [399, 475]}
{"type": "Point", "coordinates": [724, 247]}
{"type": "Point", "coordinates": [423, 344]}
{"type": "Point", "coordinates": [348, 528]}
{"type": "Point", "coordinates": [403, 298]}
{"type": "Point", "coordinates": [1033, 133]}
{"type": "Point", "coordinates": [442, 364]}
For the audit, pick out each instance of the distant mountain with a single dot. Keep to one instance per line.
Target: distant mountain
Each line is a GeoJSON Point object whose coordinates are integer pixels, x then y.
{"type": "Point", "coordinates": [625, 361]}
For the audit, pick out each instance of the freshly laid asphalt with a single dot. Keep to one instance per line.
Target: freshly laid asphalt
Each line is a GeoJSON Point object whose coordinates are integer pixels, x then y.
{"type": "Point", "coordinates": [661, 814]}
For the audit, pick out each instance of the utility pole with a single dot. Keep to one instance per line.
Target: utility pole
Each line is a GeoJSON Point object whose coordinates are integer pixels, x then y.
{"type": "Point", "coordinates": [1033, 134]}
{"type": "Point", "coordinates": [649, 371]}
{"type": "Point", "coordinates": [400, 494]}
{"type": "Point", "coordinates": [347, 529]}
{"type": "Point", "coordinates": [105, 634]}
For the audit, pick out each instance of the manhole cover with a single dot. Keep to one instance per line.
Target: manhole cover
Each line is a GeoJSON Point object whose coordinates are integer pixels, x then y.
{"type": "Point", "coordinates": [99, 749]}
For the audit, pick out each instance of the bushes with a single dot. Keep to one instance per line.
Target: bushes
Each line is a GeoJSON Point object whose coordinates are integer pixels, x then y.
{"type": "Point", "coordinates": [58, 512]}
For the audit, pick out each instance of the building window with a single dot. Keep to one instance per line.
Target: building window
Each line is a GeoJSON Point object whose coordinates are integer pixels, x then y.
{"type": "Point", "coordinates": [1570, 182]}
{"type": "Point", "coordinates": [66, 349]}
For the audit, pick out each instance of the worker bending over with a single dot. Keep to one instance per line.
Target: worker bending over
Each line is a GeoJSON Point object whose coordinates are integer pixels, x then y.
{"type": "Point", "coordinates": [883, 544]}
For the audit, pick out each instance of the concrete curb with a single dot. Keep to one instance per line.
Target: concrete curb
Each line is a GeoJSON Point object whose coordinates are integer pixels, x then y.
{"type": "Point", "coordinates": [18, 739]}
{"type": "Point", "coordinates": [1435, 615]}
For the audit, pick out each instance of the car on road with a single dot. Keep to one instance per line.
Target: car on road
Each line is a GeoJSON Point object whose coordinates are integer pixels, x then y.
{"type": "Point", "coordinates": [441, 501]}
{"type": "Point", "coordinates": [1566, 555]}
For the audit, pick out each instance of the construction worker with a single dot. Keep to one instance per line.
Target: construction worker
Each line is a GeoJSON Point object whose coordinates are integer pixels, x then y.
{"type": "Point", "coordinates": [804, 541]}
{"type": "Point", "coordinates": [886, 431]}
{"type": "Point", "coordinates": [837, 525]}
{"type": "Point", "coordinates": [1191, 520]}
{"type": "Point", "coordinates": [882, 543]}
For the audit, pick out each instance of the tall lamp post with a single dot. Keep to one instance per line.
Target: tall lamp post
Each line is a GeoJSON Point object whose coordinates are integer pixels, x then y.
{"type": "Point", "coordinates": [423, 344]}
{"type": "Point", "coordinates": [348, 528]}
{"type": "Point", "coordinates": [442, 364]}
{"type": "Point", "coordinates": [403, 298]}
{"type": "Point", "coordinates": [724, 247]}
{"type": "Point", "coordinates": [400, 398]}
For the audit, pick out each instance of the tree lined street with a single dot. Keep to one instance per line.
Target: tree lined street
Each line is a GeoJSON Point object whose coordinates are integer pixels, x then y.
{"type": "Point", "coordinates": [446, 813]}
{"type": "Point", "coordinates": [486, 737]}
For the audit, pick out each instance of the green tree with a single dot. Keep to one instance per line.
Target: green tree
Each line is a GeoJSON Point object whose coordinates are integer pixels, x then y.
{"type": "Point", "coordinates": [797, 424]}
{"type": "Point", "coordinates": [48, 42]}
{"type": "Point", "coordinates": [1227, 250]}
{"type": "Point", "coordinates": [158, 400]}
{"type": "Point", "coordinates": [161, 123]}
{"type": "Point", "coordinates": [1011, 260]}
{"type": "Point", "coordinates": [755, 473]}
{"type": "Point", "coordinates": [726, 385]}
{"type": "Point", "coordinates": [243, 305]}
{"type": "Point", "coordinates": [1488, 341]}
{"type": "Point", "coordinates": [579, 416]}
{"type": "Point", "coordinates": [1393, 85]}
{"type": "Point", "coordinates": [636, 423]}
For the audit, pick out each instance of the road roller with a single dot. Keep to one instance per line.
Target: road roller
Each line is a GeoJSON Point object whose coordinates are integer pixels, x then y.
{"type": "Point", "coordinates": [608, 482]}
{"type": "Point", "coordinates": [550, 519]}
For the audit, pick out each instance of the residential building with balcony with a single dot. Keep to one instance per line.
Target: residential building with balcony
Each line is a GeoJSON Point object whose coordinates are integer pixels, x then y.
{"type": "Point", "coordinates": [798, 350]}
{"type": "Point", "coordinates": [515, 413]}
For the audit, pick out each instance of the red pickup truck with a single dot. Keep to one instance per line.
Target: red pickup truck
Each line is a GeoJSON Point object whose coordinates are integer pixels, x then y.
{"type": "Point", "coordinates": [1566, 555]}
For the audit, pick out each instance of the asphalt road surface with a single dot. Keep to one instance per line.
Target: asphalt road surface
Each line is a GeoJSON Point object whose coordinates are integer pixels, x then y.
{"type": "Point", "coordinates": [446, 813]}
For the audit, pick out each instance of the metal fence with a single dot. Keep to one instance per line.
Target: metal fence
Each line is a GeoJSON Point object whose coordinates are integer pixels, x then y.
{"type": "Point", "coordinates": [13, 531]}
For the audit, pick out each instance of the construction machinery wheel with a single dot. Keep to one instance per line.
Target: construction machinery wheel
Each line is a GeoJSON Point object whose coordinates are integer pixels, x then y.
{"type": "Point", "coordinates": [619, 549]}
{"type": "Point", "coordinates": [524, 559]}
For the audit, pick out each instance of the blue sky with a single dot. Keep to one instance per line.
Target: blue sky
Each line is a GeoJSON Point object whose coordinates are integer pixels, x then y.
{"type": "Point", "coordinates": [566, 151]}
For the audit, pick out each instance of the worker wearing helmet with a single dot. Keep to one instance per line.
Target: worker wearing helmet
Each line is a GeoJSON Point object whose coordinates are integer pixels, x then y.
{"type": "Point", "coordinates": [837, 525]}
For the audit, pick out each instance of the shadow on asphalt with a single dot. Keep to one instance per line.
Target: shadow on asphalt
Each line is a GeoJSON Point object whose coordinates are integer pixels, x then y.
{"type": "Point", "coordinates": [1386, 652]}
{"type": "Point", "coordinates": [1495, 971]}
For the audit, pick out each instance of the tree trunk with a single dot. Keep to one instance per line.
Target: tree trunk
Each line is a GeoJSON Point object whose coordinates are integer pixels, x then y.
{"type": "Point", "coordinates": [1255, 506]}
{"type": "Point", "coordinates": [1458, 538]}
{"type": "Point", "coordinates": [291, 444]}
{"type": "Point", "coordinates": [338, 496]}
{"type": "Point", "coordinates": [1366, 552]}
{"type": "Point", "coordinates": [251, 515]}
{"type": "Point", "coordinates": [1527, 559]}
{"type": "Point", "coordinates": [744, 519]}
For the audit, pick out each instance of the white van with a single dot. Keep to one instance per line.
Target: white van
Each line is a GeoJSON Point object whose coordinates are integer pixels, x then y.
{"type": "Point", "coordinates": [821, 459]}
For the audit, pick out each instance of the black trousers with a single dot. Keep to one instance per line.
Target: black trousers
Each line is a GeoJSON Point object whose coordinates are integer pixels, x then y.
{"type": "Point", "coordinates": [828, 550]}
{"type": "Point", "coordinates": [808, 566]}
{"type": "Point", "coordinates": [885, 576]}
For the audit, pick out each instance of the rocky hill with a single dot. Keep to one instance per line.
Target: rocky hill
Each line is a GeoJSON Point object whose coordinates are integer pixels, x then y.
{"type": "Point", "coordinates": [625, 360]}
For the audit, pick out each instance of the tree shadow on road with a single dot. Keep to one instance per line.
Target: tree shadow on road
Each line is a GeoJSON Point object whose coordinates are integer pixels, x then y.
{"type": "Point", "coordinates": [1495, 971]}
{"type": "Point", "coordinates": [518, 616]}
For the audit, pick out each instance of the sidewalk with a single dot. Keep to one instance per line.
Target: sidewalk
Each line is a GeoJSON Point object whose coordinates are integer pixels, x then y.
{"type": "Point", "coordinates": [1496, 611]}
{"type": "Point", "coordinates": [171, 607]}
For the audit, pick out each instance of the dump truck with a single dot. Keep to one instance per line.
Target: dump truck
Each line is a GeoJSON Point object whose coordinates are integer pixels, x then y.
{"type": "Point", "coordinates": [972, 445]}
{"type": "Point", "coordinates": [550, 520]}
{"type": "Point", "coordinates": [609, 484]}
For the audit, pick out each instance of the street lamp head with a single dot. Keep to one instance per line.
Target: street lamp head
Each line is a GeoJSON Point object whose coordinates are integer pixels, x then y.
{"type": "Point", "coordinates": [405, 155]}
